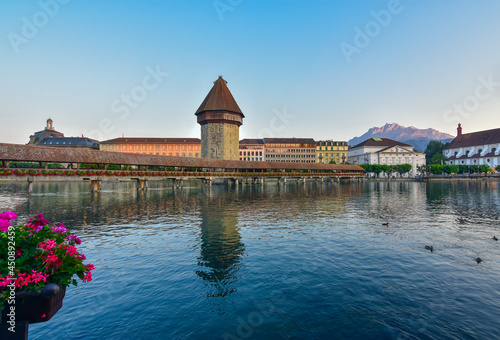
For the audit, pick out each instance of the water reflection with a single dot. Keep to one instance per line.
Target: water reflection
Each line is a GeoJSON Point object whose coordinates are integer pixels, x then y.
{"type": "Point", "coordinates": [221, 247]}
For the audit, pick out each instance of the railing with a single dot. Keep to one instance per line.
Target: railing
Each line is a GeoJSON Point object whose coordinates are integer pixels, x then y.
{"type": "Point", "coordinates": [128, 173]}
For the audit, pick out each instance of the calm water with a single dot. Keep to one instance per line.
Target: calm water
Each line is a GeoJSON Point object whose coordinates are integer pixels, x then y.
{"type": "Point", "coordinates": [294, 262]}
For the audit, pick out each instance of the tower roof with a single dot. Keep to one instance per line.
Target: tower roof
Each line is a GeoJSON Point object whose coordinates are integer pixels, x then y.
{"type": "Point", "coordinates": [219, 99]}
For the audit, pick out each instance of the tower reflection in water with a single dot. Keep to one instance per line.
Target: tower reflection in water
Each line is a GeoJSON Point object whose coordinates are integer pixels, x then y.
{"type": "Point", "coordinates": [221, 246]}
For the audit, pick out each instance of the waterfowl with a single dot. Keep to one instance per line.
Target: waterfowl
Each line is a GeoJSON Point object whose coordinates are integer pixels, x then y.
{"type": "Point", "coordinates": [385, 223]}
{"type": "Point", "coordinates": [431, 248]}
{"type": "Point", "coordinates": [495, 238]}
{"type": "Point", "coordinates": [478, 260]}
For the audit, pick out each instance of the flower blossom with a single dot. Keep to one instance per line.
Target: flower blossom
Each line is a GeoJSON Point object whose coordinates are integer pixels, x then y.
{"type": "Point", "coordinates": [74, 238]}
{"type": "Point", "coordinates": [37, 222]}
{"type": "Point", "coordinates": [4, 282]}
{"type": "Point", "coordinates": [4, 225]}
{"type": "Point", "coordinates": [47, 244]}
{"type": "Point", "coordinates": [8, 215]}
{"type": "Point", "coordinates": [60, 229]}
{"type": "Point", "coordinates": [72, 251]}
{"type": "Point", "coordinates": [87, 277]}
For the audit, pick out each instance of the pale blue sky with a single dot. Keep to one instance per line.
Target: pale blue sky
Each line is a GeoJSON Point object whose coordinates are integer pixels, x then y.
{"type": "Point", "coordinates": [296, 68]}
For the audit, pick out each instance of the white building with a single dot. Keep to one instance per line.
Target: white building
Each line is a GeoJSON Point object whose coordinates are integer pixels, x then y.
{"type": "Point", "coordinates": [386, 151]}
{"type": "Point", "coordinates": [477, 148]}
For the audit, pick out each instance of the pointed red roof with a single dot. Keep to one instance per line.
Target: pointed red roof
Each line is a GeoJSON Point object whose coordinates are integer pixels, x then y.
{"type": "Point", "coordinates": [219, 99]}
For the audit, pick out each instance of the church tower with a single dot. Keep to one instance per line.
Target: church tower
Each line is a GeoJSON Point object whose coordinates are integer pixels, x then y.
{"type": "Point", "coordinates": [220, 119]}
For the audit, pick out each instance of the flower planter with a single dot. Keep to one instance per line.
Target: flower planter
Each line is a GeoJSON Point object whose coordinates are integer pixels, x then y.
{"type": "Point", "coordinates": [37, 306]}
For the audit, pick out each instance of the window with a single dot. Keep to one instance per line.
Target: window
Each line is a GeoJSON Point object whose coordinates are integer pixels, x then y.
{"type": "Point", "coordinates": [177, 148]}
{"type": "Point", "coordinates": [196, 147]}
{"type": "Point", "coordinates": [157, 147]}
{"type": "Point", "coordinates": [170, 147]}
{"type": "Point", "coordinates": [137, 147]}
{"type": "Point", "coordinates": [183, 148]}
{"type": "Point", "coordinates": [190, 154]}
{"type": "Point", "coordinates": [164, 147]}
{"type": "Point", "coordinates": [190, 148]}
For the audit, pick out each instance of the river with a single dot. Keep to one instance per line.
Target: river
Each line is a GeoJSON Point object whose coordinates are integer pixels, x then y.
{"type": "Point", "coordinates": [313, 261]}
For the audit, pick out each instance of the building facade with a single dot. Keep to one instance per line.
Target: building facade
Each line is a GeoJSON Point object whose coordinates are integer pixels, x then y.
{"type": "Point", "coordinates": [49, 132]}
{"type": "Point", "coordinates": [252, 150]}
{"type": "Point", "coordinates": [220, 118]}
{"type": "Point", "coordinates": [328, 151]}
{"type": "Point", "coordinates": [476, 148]}
{"type": "Point", "coordinates": [386, 151]}
{"type": "Point", "coordinates": [290, 150]}
{"type": "Point", "coordinates": [50, 137]}
{"type": "Point", "coordinates": [178, 147]}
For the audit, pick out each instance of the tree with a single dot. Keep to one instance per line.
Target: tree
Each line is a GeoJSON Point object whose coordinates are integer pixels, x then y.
{"type": "Point", "coordinates": [404, 168]}
{"type": "Point", "coordinates": [497, 168]}
{"type": "Point", "coordinates": [434, 152]}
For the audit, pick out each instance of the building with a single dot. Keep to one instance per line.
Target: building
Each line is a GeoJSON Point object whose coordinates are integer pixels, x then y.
{"type": "Point", "coordinates": [386, 151]}
{"type": "Point", "coordinates": [328, 151]}
{"type": "Point", "coordinates": [290, 150]}
{"type": "Point", "coordinates": [49, 132]}
{"type": "Point", "coordinates": [476, 148]}
{"type": "Point", "coordinates": [252, 150]}
{"type": "Point", "coordinates": [180, 147]}
{"type": "Point", "coordinates": [220, 118]}
{"type": "Point", "coordinates": [50, 137]}
{"type": "Point", "coordinates": [71, 142]}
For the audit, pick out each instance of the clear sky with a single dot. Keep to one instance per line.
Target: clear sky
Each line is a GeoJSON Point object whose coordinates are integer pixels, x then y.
{"type": "Point", "coordinates": [317, 69]}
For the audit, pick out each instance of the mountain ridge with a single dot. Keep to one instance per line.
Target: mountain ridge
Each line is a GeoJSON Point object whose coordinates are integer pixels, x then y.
{"type": "Point", "coordinates": [418, 138]}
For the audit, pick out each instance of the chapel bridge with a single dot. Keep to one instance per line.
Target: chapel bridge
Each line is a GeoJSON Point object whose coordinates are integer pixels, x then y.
{"type": "Point", "coordinates": [144, 168]}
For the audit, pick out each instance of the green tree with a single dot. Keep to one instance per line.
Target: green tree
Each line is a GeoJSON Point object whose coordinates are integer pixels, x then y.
{"type": "Point", "coordinates": [497, 168]}
{"type": "Point", "coordinates": [434, 152]}
{"type": "Point", "coordinates": [404, 168]}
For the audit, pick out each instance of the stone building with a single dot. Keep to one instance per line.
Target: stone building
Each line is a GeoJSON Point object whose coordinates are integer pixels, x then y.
{"type": "Point", "coordinates": [220, 118]}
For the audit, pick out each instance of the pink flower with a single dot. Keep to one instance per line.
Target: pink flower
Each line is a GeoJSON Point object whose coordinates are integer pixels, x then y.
{"type": "Point", "coordinates": [47, 244]}
{"type": "Point", "coordinates": [74, 238]}
{"type": "Point", "coordinates": [8, 215]}
{"type": "Point", "coordinates": [4, 282]}
{"type": "Point", "coordinates": [72, 251]}
{"type": "Point", "coordinates": [87, 277]}
{"type": "Point", "coordinates": [60, 229]}
{"type": "Point", "coordinates": [38, 221]}
{"type": "Point", "coordinates": [4, 225]}
{"type": "Point", "coordinates": [90, 266]}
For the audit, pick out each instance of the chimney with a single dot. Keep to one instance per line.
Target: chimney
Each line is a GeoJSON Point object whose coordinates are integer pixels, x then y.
{"type": "Point", "coordinates": [459, 130]}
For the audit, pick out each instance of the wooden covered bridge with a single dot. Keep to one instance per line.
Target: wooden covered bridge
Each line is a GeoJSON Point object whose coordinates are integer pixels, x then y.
{"type": "Point", "coordinates": [143, 168]}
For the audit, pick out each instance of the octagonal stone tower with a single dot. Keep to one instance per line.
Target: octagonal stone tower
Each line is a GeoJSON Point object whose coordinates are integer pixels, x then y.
{"type": "Point", "coordinates": [220, 119]}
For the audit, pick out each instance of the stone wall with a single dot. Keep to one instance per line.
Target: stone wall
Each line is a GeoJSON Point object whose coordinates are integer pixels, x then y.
{"type": "Point", "coordinates": [220, 141]}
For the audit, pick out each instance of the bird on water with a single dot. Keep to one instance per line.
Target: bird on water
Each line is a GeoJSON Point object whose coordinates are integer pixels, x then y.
{"type": "Point", "coordinates": [431, 248]}
{"type": "Point", "coordinates": [385, 223]}
{"type": "Point", "coordinates": [495, 238]}
{"type": "Point", "coordinates": [479, 260]}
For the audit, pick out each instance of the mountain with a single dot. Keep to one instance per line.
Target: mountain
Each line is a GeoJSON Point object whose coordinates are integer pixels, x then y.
{"type": "Point", "coordinates": [418, 138]}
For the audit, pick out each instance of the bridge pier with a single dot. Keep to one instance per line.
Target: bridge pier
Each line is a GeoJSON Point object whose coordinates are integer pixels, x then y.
{"type": "Point", "coordinates": [30, 185]}
{"type": "Point", "coordinates": [177, 183]}
{"type": "Point", "coordinates": [142, 184]}
{"type": "Point", "coordinates": [96, 185]}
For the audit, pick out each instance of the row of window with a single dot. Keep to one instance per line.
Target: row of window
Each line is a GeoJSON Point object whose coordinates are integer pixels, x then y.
{"type": "Point", "coordinates": [250, 153]}
{"type": "Point", "coordinates": [177, 154]}
{"type": "Point", "coordinates": [331, 148]}
{"type": "Point", "coordinates": [123, 147]}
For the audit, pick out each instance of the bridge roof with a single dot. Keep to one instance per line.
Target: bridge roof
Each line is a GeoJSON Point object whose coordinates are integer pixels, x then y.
{"type": "Point", "coordinates": [35, 153]}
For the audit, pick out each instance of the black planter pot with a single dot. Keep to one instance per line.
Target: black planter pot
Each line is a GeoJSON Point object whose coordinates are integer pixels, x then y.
{"type": "Point", "coordinates": [37, 306]}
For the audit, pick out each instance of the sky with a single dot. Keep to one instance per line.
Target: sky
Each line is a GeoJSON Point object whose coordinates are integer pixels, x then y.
{"type": "Point", "coordinates": [313, 69]}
